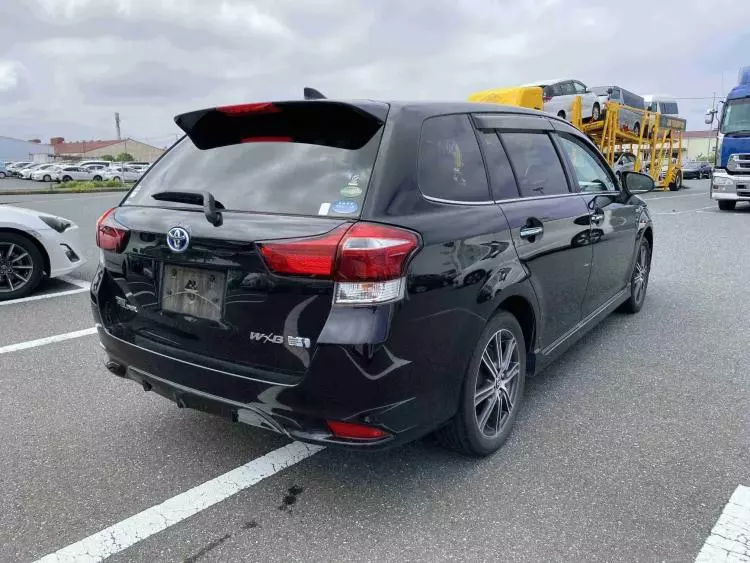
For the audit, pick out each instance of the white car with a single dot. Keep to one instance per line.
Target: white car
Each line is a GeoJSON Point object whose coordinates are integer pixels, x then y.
{"type": "Point", "coordinates": [558, 96]}
{"type": "Point", "coordinates": [34, 245]}
{"type": "Point", "coordinates": [42, 171]}
{"type": "Point", "coordinates": [68, 173]}
{"type": "Point", "coordinates": [124, 174]}
{"type": "Point", "coordinates": [97, 170]}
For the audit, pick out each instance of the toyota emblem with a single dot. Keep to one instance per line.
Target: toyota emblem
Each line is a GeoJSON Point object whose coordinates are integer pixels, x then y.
{"type": "Point", "coordinates": [178, 239]}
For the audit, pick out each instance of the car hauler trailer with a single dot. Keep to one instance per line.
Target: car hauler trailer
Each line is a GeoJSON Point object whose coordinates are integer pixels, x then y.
{"type": "Point", "coordinates": [657, 145]}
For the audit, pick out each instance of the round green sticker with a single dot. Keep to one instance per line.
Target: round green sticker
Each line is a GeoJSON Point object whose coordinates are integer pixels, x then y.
{"type": "Point", "coordinates": [351, 191]}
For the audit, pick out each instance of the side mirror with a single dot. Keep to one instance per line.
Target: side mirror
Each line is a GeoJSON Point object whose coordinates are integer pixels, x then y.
{"type": "Point", "coordinates": [710, 113]}
{"type": "Point", "coordinates": [637, 183]}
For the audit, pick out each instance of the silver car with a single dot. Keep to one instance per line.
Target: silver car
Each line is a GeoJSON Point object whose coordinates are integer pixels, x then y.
{"type": "Point", "coordinates": [629, 120]}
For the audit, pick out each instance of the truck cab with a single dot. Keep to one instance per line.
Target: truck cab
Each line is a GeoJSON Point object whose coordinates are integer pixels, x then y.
{"type": "Point", "coordinates": [731, 179]}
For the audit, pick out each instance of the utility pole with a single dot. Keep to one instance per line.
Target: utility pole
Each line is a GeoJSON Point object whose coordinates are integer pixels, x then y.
{"type": "Point", "coordinates": [117, 124]}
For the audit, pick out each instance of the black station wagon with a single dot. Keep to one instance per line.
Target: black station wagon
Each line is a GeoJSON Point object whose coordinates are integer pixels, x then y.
{"type": "Point", "coordinates": [363, 273]}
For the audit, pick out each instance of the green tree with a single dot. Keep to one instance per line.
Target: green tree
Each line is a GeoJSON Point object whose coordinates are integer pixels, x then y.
{"type": "Point", "coordinates": [108, 157]}
{"type": "Point", "coordinates": [124, 157]}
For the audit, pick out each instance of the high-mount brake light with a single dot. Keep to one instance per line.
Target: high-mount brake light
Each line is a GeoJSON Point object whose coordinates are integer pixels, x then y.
{"type": "Point", "coordinates": [241, 109]}
{"type": "Point", "coordinates": [366, 260]}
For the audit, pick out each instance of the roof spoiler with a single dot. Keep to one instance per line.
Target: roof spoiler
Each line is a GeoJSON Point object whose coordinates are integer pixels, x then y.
{"type": "Point", "coordinates": [330, 123]}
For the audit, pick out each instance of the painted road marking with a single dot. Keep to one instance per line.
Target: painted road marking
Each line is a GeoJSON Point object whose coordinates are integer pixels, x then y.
{"type": "Point", "coordinates": [729, 541]}
{"type": "Point", "coordinates": [49, 340]}
{"type": "Point", "coordinates": [81, 286]}
{"type": "Point", "coordinates": [703, 194]}
{"type": "Point", "coordinates": [696, 210]}
{"type": "Point", "coordinates": [130, 531]}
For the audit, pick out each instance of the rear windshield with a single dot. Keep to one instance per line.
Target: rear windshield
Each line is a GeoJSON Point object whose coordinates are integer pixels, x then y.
{"type": "Point", "coordinates": [265, 177]}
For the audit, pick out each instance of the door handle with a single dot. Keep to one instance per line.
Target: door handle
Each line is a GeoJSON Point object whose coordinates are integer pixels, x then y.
{"type": "Point", "coordinates": [530, 232]}
{"type": "Point", "coordinates": [597, 217]}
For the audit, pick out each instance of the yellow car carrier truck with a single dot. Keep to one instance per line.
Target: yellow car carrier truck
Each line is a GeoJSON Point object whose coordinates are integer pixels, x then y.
{"type": "Point", "coordinates": [657, 147]}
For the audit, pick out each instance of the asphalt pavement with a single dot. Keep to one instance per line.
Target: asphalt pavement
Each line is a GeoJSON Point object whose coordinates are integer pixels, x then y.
{"type": "Point", "coordinates": [627, 449]}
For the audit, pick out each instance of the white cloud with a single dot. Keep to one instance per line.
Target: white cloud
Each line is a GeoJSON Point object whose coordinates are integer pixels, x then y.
{"type": "Point", "coordinates": [78, 61]}
{"type": "Point", "coordinates": [10, 75]}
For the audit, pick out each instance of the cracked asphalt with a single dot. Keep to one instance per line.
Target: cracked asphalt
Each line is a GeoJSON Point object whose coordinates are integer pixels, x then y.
{"type": "Point", "coordinates": [627, 449]}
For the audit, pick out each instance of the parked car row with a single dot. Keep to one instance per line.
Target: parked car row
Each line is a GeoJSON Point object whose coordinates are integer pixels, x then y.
{"type": "Point", "coordinates": [67, 171]}
{"type": "Point", "coordinates": [558, 97]}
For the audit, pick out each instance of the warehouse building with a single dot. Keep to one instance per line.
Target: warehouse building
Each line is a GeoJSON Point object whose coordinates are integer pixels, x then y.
{"type": "Point", "coordinates": [96, 149]}
{"type": "Point", "coordinates": [14, 150]}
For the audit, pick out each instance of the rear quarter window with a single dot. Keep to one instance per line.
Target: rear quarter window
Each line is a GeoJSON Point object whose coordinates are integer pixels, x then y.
{"type": "Point", "coordinates": [450, 163]}
{"type": "Point", "coordinates": [265, 177]}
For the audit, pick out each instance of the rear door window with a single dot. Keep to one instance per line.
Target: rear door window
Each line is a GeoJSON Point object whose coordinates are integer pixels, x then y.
{"type": "Point", "coordinates": [567, 88]}
{"type": "Point", "coordinates": [450, 162]}
{"type": "Point", "coordinates": [266, 177]}
{"type": "Point", "coordinates": [536, 164]}
{"type": "Point", "coordinates": [502, 181]}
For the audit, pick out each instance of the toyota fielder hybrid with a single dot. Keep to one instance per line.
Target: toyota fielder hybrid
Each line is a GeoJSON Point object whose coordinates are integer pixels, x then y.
{"type": "Point", "coordinates": [363, 273]}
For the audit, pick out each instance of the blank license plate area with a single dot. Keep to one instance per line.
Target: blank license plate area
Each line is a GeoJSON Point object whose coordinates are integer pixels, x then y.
{"type": "Point", "coordinates": [192, 291]}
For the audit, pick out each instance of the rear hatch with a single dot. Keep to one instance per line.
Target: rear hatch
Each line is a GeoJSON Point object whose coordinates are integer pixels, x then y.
{"type": "Point", "coordinates": [188, 252]}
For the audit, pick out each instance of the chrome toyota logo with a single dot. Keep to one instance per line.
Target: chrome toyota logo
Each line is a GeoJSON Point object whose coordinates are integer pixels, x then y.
{"type": "Point", "coordinates": [178, 239]}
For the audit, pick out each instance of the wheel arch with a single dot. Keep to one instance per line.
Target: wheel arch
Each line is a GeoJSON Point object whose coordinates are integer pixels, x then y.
{"type": "Point", "coordinates": [525, 313]}
{"type": "Point", "coordinates": [32, 240]}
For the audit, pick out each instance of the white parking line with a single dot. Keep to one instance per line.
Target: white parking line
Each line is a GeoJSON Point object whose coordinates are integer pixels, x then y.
{"type": "Point", "coordinates": [704, 194]}
{"type": "Point", "coordinates": [696, 210]}
{"type": "Point", "coordinates": [130, 531]}
{"type": "Point", "coordinates": [80, 284]}
{"type": "Point", "coordinates": [729, 541]}
{"type": "Point", "coordinates": [48, 340]}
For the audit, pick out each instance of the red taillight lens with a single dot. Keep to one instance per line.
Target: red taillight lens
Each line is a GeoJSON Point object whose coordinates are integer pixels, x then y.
{"type": "Point", "coordinates": [110, 235]}
{"type": "Point", "coordinates": [240, 109]}
{"type": "Point", "coordinates": [547, 98]}
{"type": "Point", "coordinates": [314, 256]}
{"type": "Point", "coordinates": [372, 252]}
{"type": "Point", "coordinates": [353, 431]}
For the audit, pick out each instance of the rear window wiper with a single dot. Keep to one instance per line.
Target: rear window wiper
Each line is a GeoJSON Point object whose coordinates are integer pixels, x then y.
{"type": "Point", "coordinates": [210, 205]}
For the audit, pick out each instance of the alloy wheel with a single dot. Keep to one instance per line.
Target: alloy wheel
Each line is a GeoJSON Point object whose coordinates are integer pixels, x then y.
{"type": "Point", "coordinates": [497, 383]}
{"type": "Point", "coordinates": [640, 275]}
{"type": "Point", "coordinates": [16, 267]}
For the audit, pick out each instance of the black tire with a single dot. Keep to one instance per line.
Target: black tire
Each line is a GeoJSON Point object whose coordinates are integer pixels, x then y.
{"type": "Point", "coordinates": [463, 433]}
{"type": "Point", "coordinates": [67, 179]}
{"type": "Point", "coordinates": [97, 178]}
{"type": "Point", "coordinates": [116, 178]}
{"type": "Point", "coordinates": [2, 175]}
{"type": "Point", "coordinates": [638, 291]}
{"type": "Point", "coordinates": [637, 130]}
{"type": "Point", "coordinates": [37, 263]}
{"type": "Point", "coordinates": [47, 178]}
{"type": "Point", "coordinates": [561, 114]}
{"type": "Point", "coordinates": [676, 186]}
{"type": "Point", "coordinates": [596, 112]}
{"type": "Point", "coordinates": [727, 204]}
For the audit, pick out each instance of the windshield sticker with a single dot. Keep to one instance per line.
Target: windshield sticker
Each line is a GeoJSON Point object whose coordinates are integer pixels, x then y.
{"type": "Point", "coordinates": [324, 207]}
{"type": "Point", "coordinates": [352, 189]}
{"type": "Point", "coordinates": [344, 206]}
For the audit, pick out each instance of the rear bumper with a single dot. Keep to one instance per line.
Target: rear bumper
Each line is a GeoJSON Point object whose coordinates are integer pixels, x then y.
{"type": "Point", "coordinates": [299, 411]}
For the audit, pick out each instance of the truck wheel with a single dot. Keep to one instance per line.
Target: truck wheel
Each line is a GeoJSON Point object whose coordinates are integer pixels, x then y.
{"type": "Point", "coordinates": [727, 204]}
{"type": "Point", "coordinates": [677, 184]}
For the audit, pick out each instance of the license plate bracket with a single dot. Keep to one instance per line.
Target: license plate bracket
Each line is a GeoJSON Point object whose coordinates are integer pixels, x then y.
{"type": "Point", "coordinates": [193, 291]}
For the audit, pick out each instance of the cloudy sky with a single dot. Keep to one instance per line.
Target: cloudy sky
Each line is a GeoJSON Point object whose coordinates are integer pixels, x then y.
{"type": "Point", "coordinates": [67, 65]}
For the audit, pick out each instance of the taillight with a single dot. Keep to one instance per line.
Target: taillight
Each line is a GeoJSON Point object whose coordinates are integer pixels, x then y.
{"type": "Point", "coordinates": [354, 431]}
{"type": "Point", "coordinates": [110, 235]}
{"type": "Point", "coordinates": [367, 261]}
{"type": "Point", "coordinates": [547, 98]}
